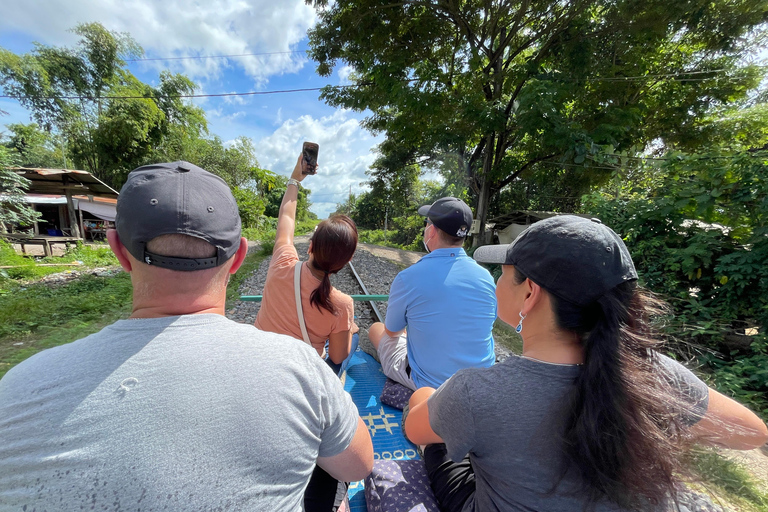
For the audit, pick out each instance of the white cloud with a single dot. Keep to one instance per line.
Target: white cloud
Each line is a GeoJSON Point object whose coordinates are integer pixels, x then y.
{"type": "Point", "coordinates": [182, 28]}
{"type": "Point", "coordinates": [235, 100]}
{"type": "Point", "coordinates": [344, 73]}
{"type": "Point", "coordinates": [346, 152]}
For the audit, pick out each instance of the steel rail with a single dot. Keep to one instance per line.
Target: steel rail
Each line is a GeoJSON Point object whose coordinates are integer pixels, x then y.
{"type": "Point", "coordinates": [258, 298]}
{"type": "Point", "coordinates": [376, 311]}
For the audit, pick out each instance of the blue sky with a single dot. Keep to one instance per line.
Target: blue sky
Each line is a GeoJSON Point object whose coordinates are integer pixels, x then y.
{"type": "Point", "coordinates": [277, 124]}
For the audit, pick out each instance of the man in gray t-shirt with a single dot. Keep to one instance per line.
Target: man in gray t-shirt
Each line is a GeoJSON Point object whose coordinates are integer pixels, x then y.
{"type": "Point", "coordinates": [177, 408]}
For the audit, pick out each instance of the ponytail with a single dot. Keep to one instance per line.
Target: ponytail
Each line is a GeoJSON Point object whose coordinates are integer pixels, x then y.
{"type": "Point", "coordinates": [621, 431]}
{"type": "Point", "coordinates": [597, 431]}
{"type": "Point", "coordinates": [333, 245]}
{"type": "Point", "coordinates": [321, 296]}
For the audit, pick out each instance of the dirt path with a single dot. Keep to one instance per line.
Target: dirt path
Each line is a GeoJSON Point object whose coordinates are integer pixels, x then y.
{"type": "Point", "coordinates": [756, 461]}
{"type": "Point", "coordinates": [404, 258]}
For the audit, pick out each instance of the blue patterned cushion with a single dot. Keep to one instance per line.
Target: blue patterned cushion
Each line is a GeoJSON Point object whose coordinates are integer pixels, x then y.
{"type": "Point", "coordinates": [395, 394]}
{"type": "Point", "coordinates": [399, 486]}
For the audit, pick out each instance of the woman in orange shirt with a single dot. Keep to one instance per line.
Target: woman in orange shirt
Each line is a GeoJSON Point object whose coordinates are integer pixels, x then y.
{"type": "Point", "coordinates": [328, 313]}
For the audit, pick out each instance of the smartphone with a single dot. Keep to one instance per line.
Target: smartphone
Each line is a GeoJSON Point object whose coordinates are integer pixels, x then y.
{"type": "Point", "coordinates": [310, 150]}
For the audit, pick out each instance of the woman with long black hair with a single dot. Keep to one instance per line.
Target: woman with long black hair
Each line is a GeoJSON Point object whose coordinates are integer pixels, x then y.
{"type": "Point", "coordinates": [591, 416]}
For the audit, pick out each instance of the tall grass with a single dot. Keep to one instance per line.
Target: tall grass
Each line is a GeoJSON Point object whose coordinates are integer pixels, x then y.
{"type": "Point", "coordinates": [26, 267]}
{"type": "Point", "coordinates": [38, 316]}
{"type": "Point", "coordinates": [729, 480]}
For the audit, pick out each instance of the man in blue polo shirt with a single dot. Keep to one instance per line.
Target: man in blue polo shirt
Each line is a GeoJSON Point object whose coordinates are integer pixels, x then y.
{"type": "Point", "coordinates": [446, 301]}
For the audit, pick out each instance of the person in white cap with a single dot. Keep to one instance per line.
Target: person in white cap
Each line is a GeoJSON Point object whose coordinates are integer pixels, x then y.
{"type": "Point", "coordinates": [441, 310]}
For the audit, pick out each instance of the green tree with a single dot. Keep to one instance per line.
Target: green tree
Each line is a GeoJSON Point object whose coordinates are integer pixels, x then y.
{"type": "Point", "coordinates": [513, 88]}
{"type": "Point", "coordinates": [33, 147]}
{"type": "Point", "coordinates": [697, 228]}
{"type": "Point", "coordinates": [13, 209]}
{"type": "Point", "coordinates": [110, 120]}
{"type": "Point", "coordinates": [274, 197]}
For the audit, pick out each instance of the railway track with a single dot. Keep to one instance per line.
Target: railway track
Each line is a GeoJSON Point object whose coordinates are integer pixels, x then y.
{"type": "Point", "coordinates": [366, 278]}
{"type": "Point", "coordinates": [369, 306]}
{"type": "Point", "coordinates": [366, 310]}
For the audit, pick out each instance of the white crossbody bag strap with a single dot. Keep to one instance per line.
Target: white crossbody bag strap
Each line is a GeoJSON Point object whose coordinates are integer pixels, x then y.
{"type": "Point", "coordinates": [297, 293]}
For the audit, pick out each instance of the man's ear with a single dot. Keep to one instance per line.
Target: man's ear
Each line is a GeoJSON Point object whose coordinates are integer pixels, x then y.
{"type": "Point", "coordinates": [119, 249]}
{"type": "Point", "coordinates": [239, 256]}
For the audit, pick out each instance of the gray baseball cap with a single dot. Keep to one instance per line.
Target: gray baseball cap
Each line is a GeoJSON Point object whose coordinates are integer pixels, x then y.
{"type": "Point", "coordinates": [449, 214]}
{"type": "Point", "coordinates": [575, 259]}
{"type": "Point", "coordinates": [177, 198]}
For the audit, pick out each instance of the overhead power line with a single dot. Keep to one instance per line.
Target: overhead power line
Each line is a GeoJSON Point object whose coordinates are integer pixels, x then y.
{"type": "Point", "coordinates": [200, 57]}
{"type": "Point", "coordinates": [309, 89]}
{"type": "Point", "coordinates": [136, 97]}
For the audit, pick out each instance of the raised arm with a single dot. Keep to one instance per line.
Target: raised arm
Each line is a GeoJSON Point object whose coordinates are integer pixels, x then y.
{"type": "Point", "coordinates": [729, 424]}
{"type": "Point", "coordinates": [286, 217]}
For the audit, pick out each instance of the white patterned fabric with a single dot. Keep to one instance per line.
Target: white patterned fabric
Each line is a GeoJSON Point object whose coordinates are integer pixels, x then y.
{"type": "Point", "coordinates": [399, 486]}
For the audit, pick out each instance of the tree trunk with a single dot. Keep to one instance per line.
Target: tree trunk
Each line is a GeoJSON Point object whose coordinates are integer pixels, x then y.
{"type": "Point", "coordinates": [483, 196]}
{"type": "Point", "coordinates": [492, 146]}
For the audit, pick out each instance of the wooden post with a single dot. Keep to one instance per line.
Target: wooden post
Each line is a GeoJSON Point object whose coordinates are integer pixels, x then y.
{"type": "Point", "coordinates": [71, 209]}
{"type": "Point", "coordinates": [35, 225]}
{"type": "Point", "coordinates": [80, 214]}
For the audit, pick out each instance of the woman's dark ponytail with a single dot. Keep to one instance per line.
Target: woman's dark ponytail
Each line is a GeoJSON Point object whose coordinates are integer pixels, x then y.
{"type": "Point", "coordinates": [333, 245]}
{"type": "Point", "coordinates": [622, 430]}
{"type": "Point", "coordinates": [596, 431]}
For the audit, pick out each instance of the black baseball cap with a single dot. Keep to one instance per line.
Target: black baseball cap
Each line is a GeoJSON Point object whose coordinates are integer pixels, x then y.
{"type": "Point", "coordinates": [177, 198]}
{"type": "Point", "coordinates": [450, 215]}
{"type": "Point", "coordinates": [574, 258]}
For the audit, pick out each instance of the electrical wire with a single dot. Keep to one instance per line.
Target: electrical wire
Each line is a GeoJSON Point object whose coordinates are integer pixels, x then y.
{"type": "Point", "coordinates": [309, 89]}
{"type": "Point", "coordinates": [149, 97]}
{"type": "Point", "coordinates": [200, 57]}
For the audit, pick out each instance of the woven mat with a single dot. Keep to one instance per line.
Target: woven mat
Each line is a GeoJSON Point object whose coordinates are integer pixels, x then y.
{"type": "Point", "coordinates": [365, 381]}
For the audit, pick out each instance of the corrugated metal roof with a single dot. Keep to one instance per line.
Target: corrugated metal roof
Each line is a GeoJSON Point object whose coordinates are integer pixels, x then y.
{"type": "Point", "coordinates": [58, 181]}
{"type": "Point", "coordinates": [526, 217]}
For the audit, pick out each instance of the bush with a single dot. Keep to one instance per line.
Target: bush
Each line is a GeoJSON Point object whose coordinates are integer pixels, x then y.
{"type": "Point", "coordinates": [377, 237]}
{"type": "Point", "coordinates": [699, 237]}
{"type": "Point", "coordinates": [250, 206]}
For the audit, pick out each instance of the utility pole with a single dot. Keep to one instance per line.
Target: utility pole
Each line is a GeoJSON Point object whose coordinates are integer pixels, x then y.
{"type": "Point", "coordinates": [386, 215]}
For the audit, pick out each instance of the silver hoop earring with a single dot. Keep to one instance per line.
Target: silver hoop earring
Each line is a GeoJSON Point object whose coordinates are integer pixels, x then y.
{"type": "Point", "coordinates": [519, 327]}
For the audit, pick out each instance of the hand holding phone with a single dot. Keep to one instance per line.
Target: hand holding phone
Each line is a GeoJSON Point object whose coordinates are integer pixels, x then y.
{"type": "Point", "coordinates": [309, 151]}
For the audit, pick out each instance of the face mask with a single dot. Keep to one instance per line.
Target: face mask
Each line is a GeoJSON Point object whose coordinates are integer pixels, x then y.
{"type": "Point", "coordinates": [424, 241]}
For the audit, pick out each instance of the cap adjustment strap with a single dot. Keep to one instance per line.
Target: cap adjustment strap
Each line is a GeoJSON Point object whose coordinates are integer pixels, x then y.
{"type": "Point", "coordinates": [179, 263]}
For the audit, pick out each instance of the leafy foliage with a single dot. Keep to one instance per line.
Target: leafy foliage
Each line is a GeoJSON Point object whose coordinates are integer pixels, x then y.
{"type": "Point", "coordinates": [13, 209]}
{"type": "Point", "coordinates": [110, 120]}
{"type": "Point", "coordinates": [273, 197]}
{"type": "Point", "coordinates": [697, 227]}
{"type": "Point", "coordinates": [511, 90]}
{"type": "Point", "coordinates": [32, 147]}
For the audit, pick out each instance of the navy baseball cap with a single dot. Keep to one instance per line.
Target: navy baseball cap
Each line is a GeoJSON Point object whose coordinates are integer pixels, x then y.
{"type": "Point", "coordinates": [450, 215]}
{"type": "Point", "coordinates": [575, 259]}
{"type": "Point", "coordinates": [177, 198]}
